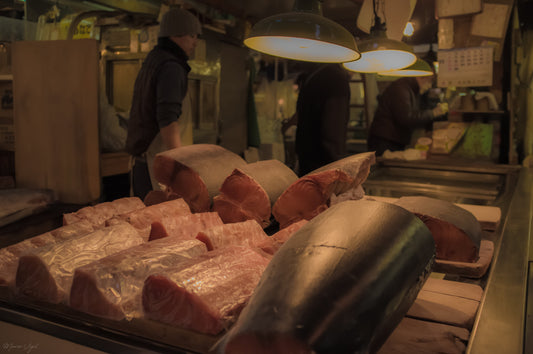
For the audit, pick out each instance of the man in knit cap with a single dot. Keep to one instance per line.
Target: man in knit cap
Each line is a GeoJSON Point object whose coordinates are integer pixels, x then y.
{"type": "Point", "coordinates": [160, 115]}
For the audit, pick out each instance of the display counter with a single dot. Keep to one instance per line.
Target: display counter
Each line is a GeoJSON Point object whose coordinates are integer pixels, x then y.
{"type": "Point", "coordinates": [500, 322]}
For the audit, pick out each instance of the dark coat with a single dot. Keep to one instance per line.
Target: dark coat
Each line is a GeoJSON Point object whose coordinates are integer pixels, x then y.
{"type": "Point", "coordinates": [323, 109]}
{"type": "Point", "coordinates": [400, 112]}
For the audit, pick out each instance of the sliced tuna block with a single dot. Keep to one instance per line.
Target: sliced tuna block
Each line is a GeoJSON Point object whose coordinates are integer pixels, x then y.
{"type": "Point", "coordinates": [9, 256]}
{"type": "Point", "coordinates": [273, 244]}
{"type": "Point", "coordinates": [156, 197]}
{"type": "Point", "coordinates": [248, 233]}
{"type": "Point", "coordinates": [456, 231]}
{"type": "Point", "coordinates": [46, 273]}
{"type": "Point", "coordinates": [311, 194]}
{"type": "Point", "coordinates": [340, 284]}
{"type": "Point", "coordinates": [185, 226]}
{"type": "Point", "coordinates": [142, 219]}
{"type": "Point", "coordinates": [206, 293]}
{"type": "Point", "coordinates": [112, 286]}
{"type": "Point", "coordinates": [99, 213]}
{"type": "Point", "coordinates": [249, 192]}
{"type": "Point", "coordinates": [196, 172]}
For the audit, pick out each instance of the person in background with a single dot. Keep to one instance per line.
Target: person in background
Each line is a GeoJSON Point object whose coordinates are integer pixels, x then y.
{"type": "Point", "coordinates": [160, 115]}
{"type": "Point", "coordinates": [323, 109]}
{"type": "Point", "coordinates": [400, 111]}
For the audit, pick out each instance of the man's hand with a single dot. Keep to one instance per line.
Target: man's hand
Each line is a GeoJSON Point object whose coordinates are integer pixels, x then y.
{"type": "Point", "coordinates": [440, 110]}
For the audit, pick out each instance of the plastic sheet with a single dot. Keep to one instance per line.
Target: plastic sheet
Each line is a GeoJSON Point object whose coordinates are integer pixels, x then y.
{"type": "Point", "coordinates": [111, 287]}
{"type": "Point", "coordinates": [46, 273]}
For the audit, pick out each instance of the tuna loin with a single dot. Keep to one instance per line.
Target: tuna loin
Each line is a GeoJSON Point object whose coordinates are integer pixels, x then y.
{"type": "Point", "coordinates": [456, 231]}
{"type": "Point", "coordinates": [340, 284]}
{"type": "Point", "coordinates": [99, 213]}
{"type": "Point", "coordinates": [186, 226]}
{"type": "Point", "coordinates": [111, 287]}
{"type": "Point", "coordinates": [248, 233]}
{"type": "Point", "coordinates": [9, 256]}
{"type": "Point", "coordinates": [249, 192]}
{"type": "Point", "coordinates": [310, 195]}
{"type": "Point", "coordinates": [196, 172]}
{"type": "Point", "coordinates": [206, 293]}
{"type": "Point", "coordinates": [46, 273]}
{"type": "Point", "coordinates": [142, 219]}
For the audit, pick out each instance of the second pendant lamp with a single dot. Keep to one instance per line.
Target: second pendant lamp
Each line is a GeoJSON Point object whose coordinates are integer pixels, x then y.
{"type": "Point", "coordinates": [379, 53]}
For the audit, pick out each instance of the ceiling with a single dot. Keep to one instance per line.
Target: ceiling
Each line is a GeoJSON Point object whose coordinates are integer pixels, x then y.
{"type": "Point", "coordinates": [344, 12]}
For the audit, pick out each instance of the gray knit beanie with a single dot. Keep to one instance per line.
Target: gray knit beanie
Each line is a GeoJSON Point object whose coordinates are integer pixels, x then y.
{"type": "Point", "coordinates": [179, 22]}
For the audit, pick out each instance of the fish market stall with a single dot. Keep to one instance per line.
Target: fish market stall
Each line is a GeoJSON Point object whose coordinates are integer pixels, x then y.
{"type": "Point", "coordinates": [499, 196]}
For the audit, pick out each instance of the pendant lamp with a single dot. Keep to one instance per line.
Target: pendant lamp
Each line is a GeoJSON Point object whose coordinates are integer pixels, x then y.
{"type": "Point", "coordinates": [379, 53]}
{"type": "Point", "coordinates": [303, 34]}
{"type": "Point", "coordinates": [419, 68]}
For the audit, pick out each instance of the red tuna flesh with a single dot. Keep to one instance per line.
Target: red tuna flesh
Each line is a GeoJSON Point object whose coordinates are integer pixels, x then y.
{"type": "Point", "coordinates": [99, 213]}
{"type": "Point", "coordinates": [248, 233]}
{"type": "Point", "coordinates": [111, 287]}
{"type": "Point", "coordinates": [142, 219]}
{"type": "Point", "coordinates": [46, 273]}
{"type": "Point", "coordinates": [206, 293]}
{"type": "Point", "coordinates": [273, 244]}
{"type": "Point", "coordinates": [310, 195]}
{"type": "Point", "coordinates": [249, 192]}
{"type": "Point", "coordinates": [456, 231]}
{"type": "Point", "coordinates": [9, 256]}
{"type": "Point", "coordinates": [186, 226]}
{"type": "Point", "coordinates": [196, 172]}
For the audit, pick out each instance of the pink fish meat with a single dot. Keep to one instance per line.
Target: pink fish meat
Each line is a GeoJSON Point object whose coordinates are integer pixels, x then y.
{"type": "Point", "coordinates": [46, 273]}
{"type": "Point", "coordinates": [249, 192]}
{"type": "Point", "coordinates": [310, 195]}
{"type": "Point", "coordinates": [99, 213]}
{"type": "Point", "coordinates": [9, 256]}
{"type": "Point", "coordinates": [204, 294]}
{"type": "Point", "coordinates": [142, 219]}
{"type": "Point", "coordinates": [248, 233]}
{"type": "Point", "coordinates": [185, 226]}
{"type": "Point", "coordinates": [111, 287]}
{"type": "Point", "coordinates": [196, 172]}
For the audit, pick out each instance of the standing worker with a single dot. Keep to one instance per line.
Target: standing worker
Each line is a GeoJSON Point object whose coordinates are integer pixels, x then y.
{"type": "Point", "coordinates": [160, 115]}
{"type": "Point", "coordinates": [323, 110]}
{"type": "Point", "coordinates": [400, 112]}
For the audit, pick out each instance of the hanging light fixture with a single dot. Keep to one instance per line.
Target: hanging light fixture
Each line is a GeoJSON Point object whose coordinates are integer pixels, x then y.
{"type": "Point", "coordinates": [303, 34]}
{"type": "Point", "coordinates": [419, 68]}
{"type": "Point", "coordinates": [379, 53]}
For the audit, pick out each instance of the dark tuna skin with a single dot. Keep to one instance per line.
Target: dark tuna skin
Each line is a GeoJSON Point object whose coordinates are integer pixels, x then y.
{"type": "Point", "coordinates": [340, 284]}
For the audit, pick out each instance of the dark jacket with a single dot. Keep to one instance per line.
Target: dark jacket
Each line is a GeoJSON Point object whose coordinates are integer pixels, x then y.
{"type": "Point", "coordinates": [153, 87]}
{"type": "Point", "coordinates": [323, 109]}
{"type": "Point", "coordinates": [400, 112]}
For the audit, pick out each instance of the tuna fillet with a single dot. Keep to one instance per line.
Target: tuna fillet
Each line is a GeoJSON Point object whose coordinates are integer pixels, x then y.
{"type": "Point", "coordinates": [204, 294]}
{"type": "Point", "coordinates": [273, 244]}
{"type": "Point", "coordinates": [156, 197]}
{"type": "Point", "coordinates": [46, 273]}
{"type": "Point", "coordinates": [456, 231]}
{"type": "Point", "coordinates": [196, 172]}
{"type": "Point", "coordinates": [9, 256]}
{"type": "Point", "coordinates": [247, 233]}
{"type": "Point", "coordinates": [340, 284]}
{"type": "Point", "coordinates": [142, 219]}
{"type": "Point", "coordinates": [111, 287]}
{"type": "Point", "coordinates": [249, 192]}
{"type": "Point", "coordinates": [185, 226]}
{"type": "Point", "coordinates": [311, 194]}
{"type": "Point", "coordinates": [99, 213]}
